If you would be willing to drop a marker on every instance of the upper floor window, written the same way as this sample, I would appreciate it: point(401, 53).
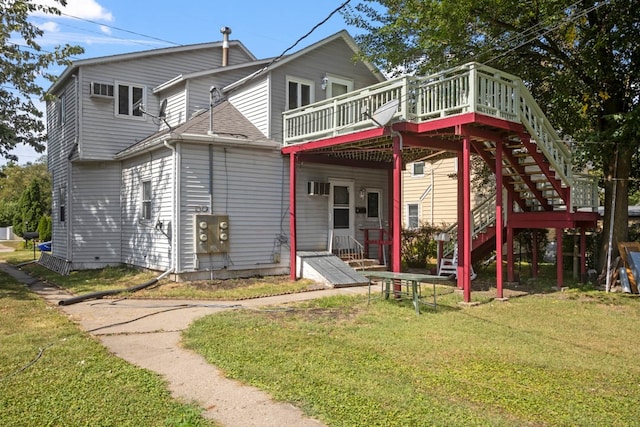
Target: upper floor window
point(299, 92)
point(60, 107)
point(130, 97)
point(417, 169)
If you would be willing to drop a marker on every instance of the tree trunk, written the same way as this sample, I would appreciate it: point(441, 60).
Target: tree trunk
point(618, 169)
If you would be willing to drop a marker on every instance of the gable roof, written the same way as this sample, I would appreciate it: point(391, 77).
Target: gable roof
point(138, 55)
point(278, 62)
point(229, 126)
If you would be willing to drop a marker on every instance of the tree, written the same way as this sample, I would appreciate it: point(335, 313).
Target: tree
point(22, 61)
point(14, 180)
point(579, 59)
point(44, 228)
point(31, 208)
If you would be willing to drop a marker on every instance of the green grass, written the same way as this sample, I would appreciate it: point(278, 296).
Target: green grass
point(553, 358)
point(52, 374)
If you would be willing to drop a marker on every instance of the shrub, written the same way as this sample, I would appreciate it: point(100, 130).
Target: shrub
point(418, 246)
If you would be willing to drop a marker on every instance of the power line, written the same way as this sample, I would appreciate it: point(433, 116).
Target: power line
point(121, 29)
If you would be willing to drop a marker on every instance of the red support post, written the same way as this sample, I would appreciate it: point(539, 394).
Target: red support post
point(583, 255)
point(466, 229)
point(499, 222)
point(510, 236)
point(460, 237)
point(292, 217)
point(534, 255)
point(397, 203)
point(559, 260)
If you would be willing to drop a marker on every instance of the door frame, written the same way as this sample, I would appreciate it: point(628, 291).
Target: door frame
point(351, 231)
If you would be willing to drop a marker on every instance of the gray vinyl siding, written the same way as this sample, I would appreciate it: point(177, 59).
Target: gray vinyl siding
point(176, 112)
point(102, 130)
point(61, 139)
point(147, 243)
point(95, 212)
point(250, 185)
point(335, 58)
point(312, 212)
point(253, 103)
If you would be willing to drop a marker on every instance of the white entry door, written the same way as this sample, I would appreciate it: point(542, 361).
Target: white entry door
point(341, 213)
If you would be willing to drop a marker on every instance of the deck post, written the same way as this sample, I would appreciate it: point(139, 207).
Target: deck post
point(559, 266)
point(499, 223)
point(583, 255)
point(292, 217)
point(534, 254)
point(460, 216)
point(510, 235)
point(466, 229)
point(397, 204)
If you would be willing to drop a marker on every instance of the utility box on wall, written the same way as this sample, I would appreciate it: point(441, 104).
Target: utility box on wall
point(211, 234)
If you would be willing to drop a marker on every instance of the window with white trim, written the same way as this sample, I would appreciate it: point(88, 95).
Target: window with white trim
point(299, 92)
point(373, 204)
point(417, 169)
point(145, 202)
point(62, 204)
point(60, 107)
point(413, 215)
point(129, 99)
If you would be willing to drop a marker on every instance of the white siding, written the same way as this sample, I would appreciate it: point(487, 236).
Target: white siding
point(103, 133)
point(334, 58)
point(253, 103)
point(61, 140)
point(176, 112)
point(312, 214)
point(250, 186)
point(95, 213)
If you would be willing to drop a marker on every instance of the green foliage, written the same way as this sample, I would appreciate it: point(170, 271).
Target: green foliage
point(31, 208)
point(44, 228)
point(578, 59)
point(22, 61)
point(417, 246)
point(14, 180)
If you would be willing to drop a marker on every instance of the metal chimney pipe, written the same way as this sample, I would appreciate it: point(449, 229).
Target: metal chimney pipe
point(225, 45)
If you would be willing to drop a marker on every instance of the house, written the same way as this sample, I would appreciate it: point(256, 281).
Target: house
point(170, 159)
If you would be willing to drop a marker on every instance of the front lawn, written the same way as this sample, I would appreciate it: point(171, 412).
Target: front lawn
point(555, 358)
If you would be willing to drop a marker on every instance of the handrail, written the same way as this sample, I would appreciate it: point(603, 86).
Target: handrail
point(482, 217)
point(346, 247)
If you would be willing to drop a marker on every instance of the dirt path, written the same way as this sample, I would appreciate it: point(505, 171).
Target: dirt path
point(147, 333)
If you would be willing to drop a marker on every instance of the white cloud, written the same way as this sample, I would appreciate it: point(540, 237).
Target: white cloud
point(105, 29)
point(50, 27)
point(83, 9)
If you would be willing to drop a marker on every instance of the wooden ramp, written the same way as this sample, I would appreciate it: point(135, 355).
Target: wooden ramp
point(327, 268)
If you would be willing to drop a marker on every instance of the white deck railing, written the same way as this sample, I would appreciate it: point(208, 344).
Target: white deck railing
point(469, 88)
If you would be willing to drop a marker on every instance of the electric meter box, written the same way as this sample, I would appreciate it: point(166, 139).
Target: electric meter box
point(211, 234)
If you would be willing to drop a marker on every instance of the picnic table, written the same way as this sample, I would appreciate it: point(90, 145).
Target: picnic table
point(410, 281)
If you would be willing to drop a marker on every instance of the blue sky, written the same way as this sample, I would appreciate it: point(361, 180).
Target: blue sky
point(266, 28)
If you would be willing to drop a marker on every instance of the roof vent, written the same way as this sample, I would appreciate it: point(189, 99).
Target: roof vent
point(225, 45)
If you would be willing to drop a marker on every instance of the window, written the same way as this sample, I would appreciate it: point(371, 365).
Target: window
point(60, 107)
point(373, 204)
point(145, 211)
point(413, 215)
point(299, 92)
point(337, 86)
point(417, 169)
point(62, 204)
point(101, 90)
point(130, 97)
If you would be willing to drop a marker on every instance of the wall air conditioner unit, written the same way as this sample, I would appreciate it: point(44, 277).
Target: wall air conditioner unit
point(100, 90)
point(315, 188)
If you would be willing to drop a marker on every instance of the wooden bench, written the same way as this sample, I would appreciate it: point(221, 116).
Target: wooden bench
point(411, 282)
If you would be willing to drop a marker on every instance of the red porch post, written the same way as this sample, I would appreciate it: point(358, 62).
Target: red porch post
point(510, 235)
point(460, 216)
point(583, 255)
point(534, 255)
point(499, 224)
point(559, 266)
point(466, 229)
point(396, 263)
point(292, 217)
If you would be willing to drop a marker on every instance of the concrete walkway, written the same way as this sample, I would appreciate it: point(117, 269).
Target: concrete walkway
point(147, 333)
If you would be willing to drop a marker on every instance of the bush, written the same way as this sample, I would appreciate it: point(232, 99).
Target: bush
point(418, 246)
point(44, 228)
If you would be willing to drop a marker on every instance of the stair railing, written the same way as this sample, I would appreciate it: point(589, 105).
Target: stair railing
point(349, 249)
point(482, 217)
